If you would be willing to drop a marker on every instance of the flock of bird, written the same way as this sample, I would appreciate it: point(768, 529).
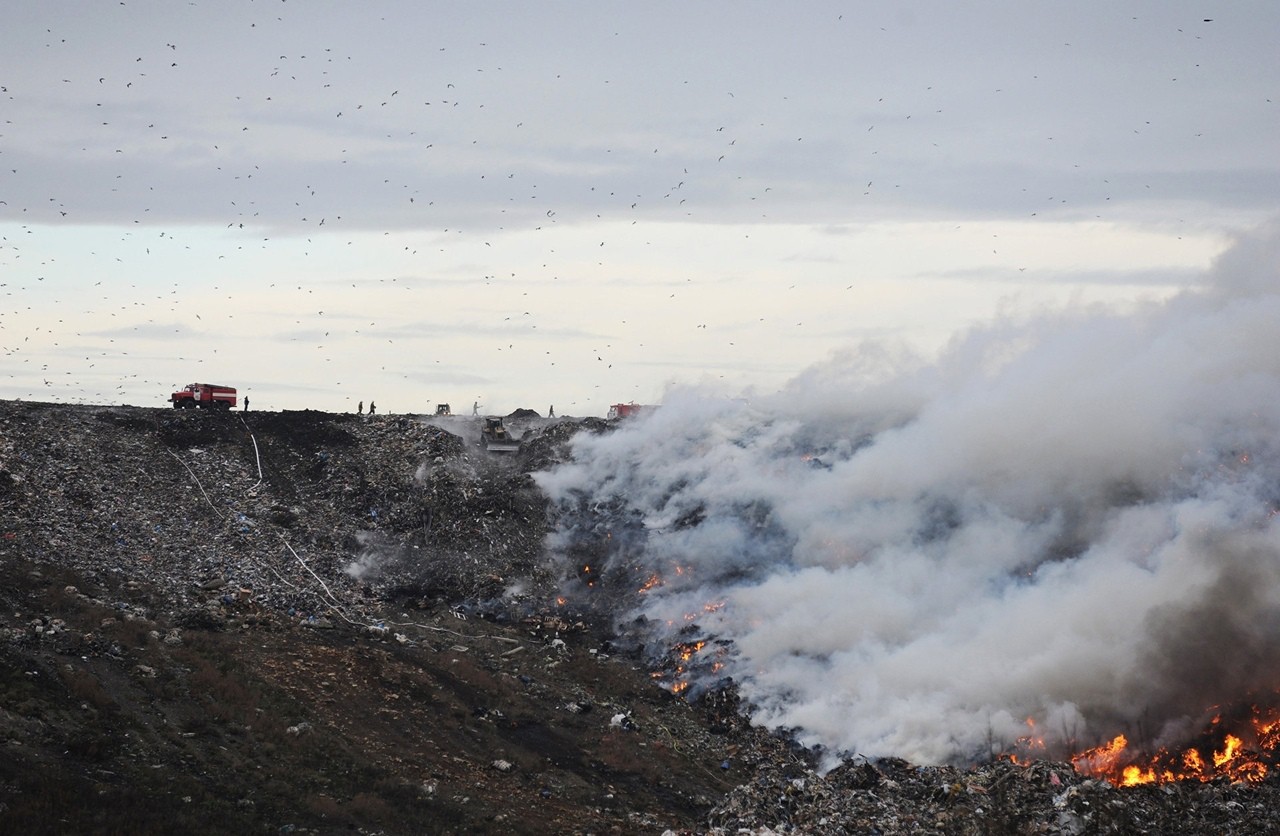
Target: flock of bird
point(297, 156)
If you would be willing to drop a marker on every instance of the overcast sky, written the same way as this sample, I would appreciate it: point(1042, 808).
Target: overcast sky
point(527, 204)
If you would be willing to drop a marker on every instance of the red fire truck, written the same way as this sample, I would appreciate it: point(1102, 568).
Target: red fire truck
point(204, 396)
point(626, 410)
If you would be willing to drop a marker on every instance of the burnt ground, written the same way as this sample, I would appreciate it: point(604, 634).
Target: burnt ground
point(305, 622)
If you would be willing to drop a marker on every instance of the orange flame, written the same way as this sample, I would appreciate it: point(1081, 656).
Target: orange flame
point(686, 650)
point(682, 666)
point(1244, 757)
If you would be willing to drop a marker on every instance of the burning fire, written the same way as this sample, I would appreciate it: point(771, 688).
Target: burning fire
point(691, 617)
point(1245, 756)
point(683, 662)
point(685, 650)
point(682, 653)
point(653, 580)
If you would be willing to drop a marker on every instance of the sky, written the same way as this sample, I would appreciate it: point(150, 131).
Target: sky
point(516, 205)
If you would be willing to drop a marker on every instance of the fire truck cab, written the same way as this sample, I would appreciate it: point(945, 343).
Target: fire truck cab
point(204, 396)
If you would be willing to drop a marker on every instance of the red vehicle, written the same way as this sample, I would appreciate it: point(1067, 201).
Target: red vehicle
point(626, 410)
point(204, 396)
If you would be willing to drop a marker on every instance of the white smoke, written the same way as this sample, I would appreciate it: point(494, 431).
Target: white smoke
point(1071, 519)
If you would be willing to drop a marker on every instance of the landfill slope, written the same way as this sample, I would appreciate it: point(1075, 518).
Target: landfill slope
point(186, 647)
point(306, 622)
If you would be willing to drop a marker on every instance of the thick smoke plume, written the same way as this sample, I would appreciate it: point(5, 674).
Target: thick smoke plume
point(1070, 520)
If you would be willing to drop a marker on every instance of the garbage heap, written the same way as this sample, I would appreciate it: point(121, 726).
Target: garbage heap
point(303, 622)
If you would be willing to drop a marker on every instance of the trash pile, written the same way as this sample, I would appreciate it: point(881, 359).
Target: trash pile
point(890, 797)
point(342, 623)
point(305, 513)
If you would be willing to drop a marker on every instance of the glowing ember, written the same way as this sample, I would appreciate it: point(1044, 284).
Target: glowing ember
point(685, 650)
point(686, 662)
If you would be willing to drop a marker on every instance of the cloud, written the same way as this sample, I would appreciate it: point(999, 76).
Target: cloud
point(1156, 277)
point(233, 155)
point(149, 331)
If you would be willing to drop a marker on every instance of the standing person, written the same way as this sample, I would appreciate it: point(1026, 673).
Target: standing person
point(551, 413)
point(246, 403)
point(372, 407)
point(360, 408)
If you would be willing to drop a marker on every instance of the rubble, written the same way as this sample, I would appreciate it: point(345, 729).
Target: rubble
point(315, 623)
